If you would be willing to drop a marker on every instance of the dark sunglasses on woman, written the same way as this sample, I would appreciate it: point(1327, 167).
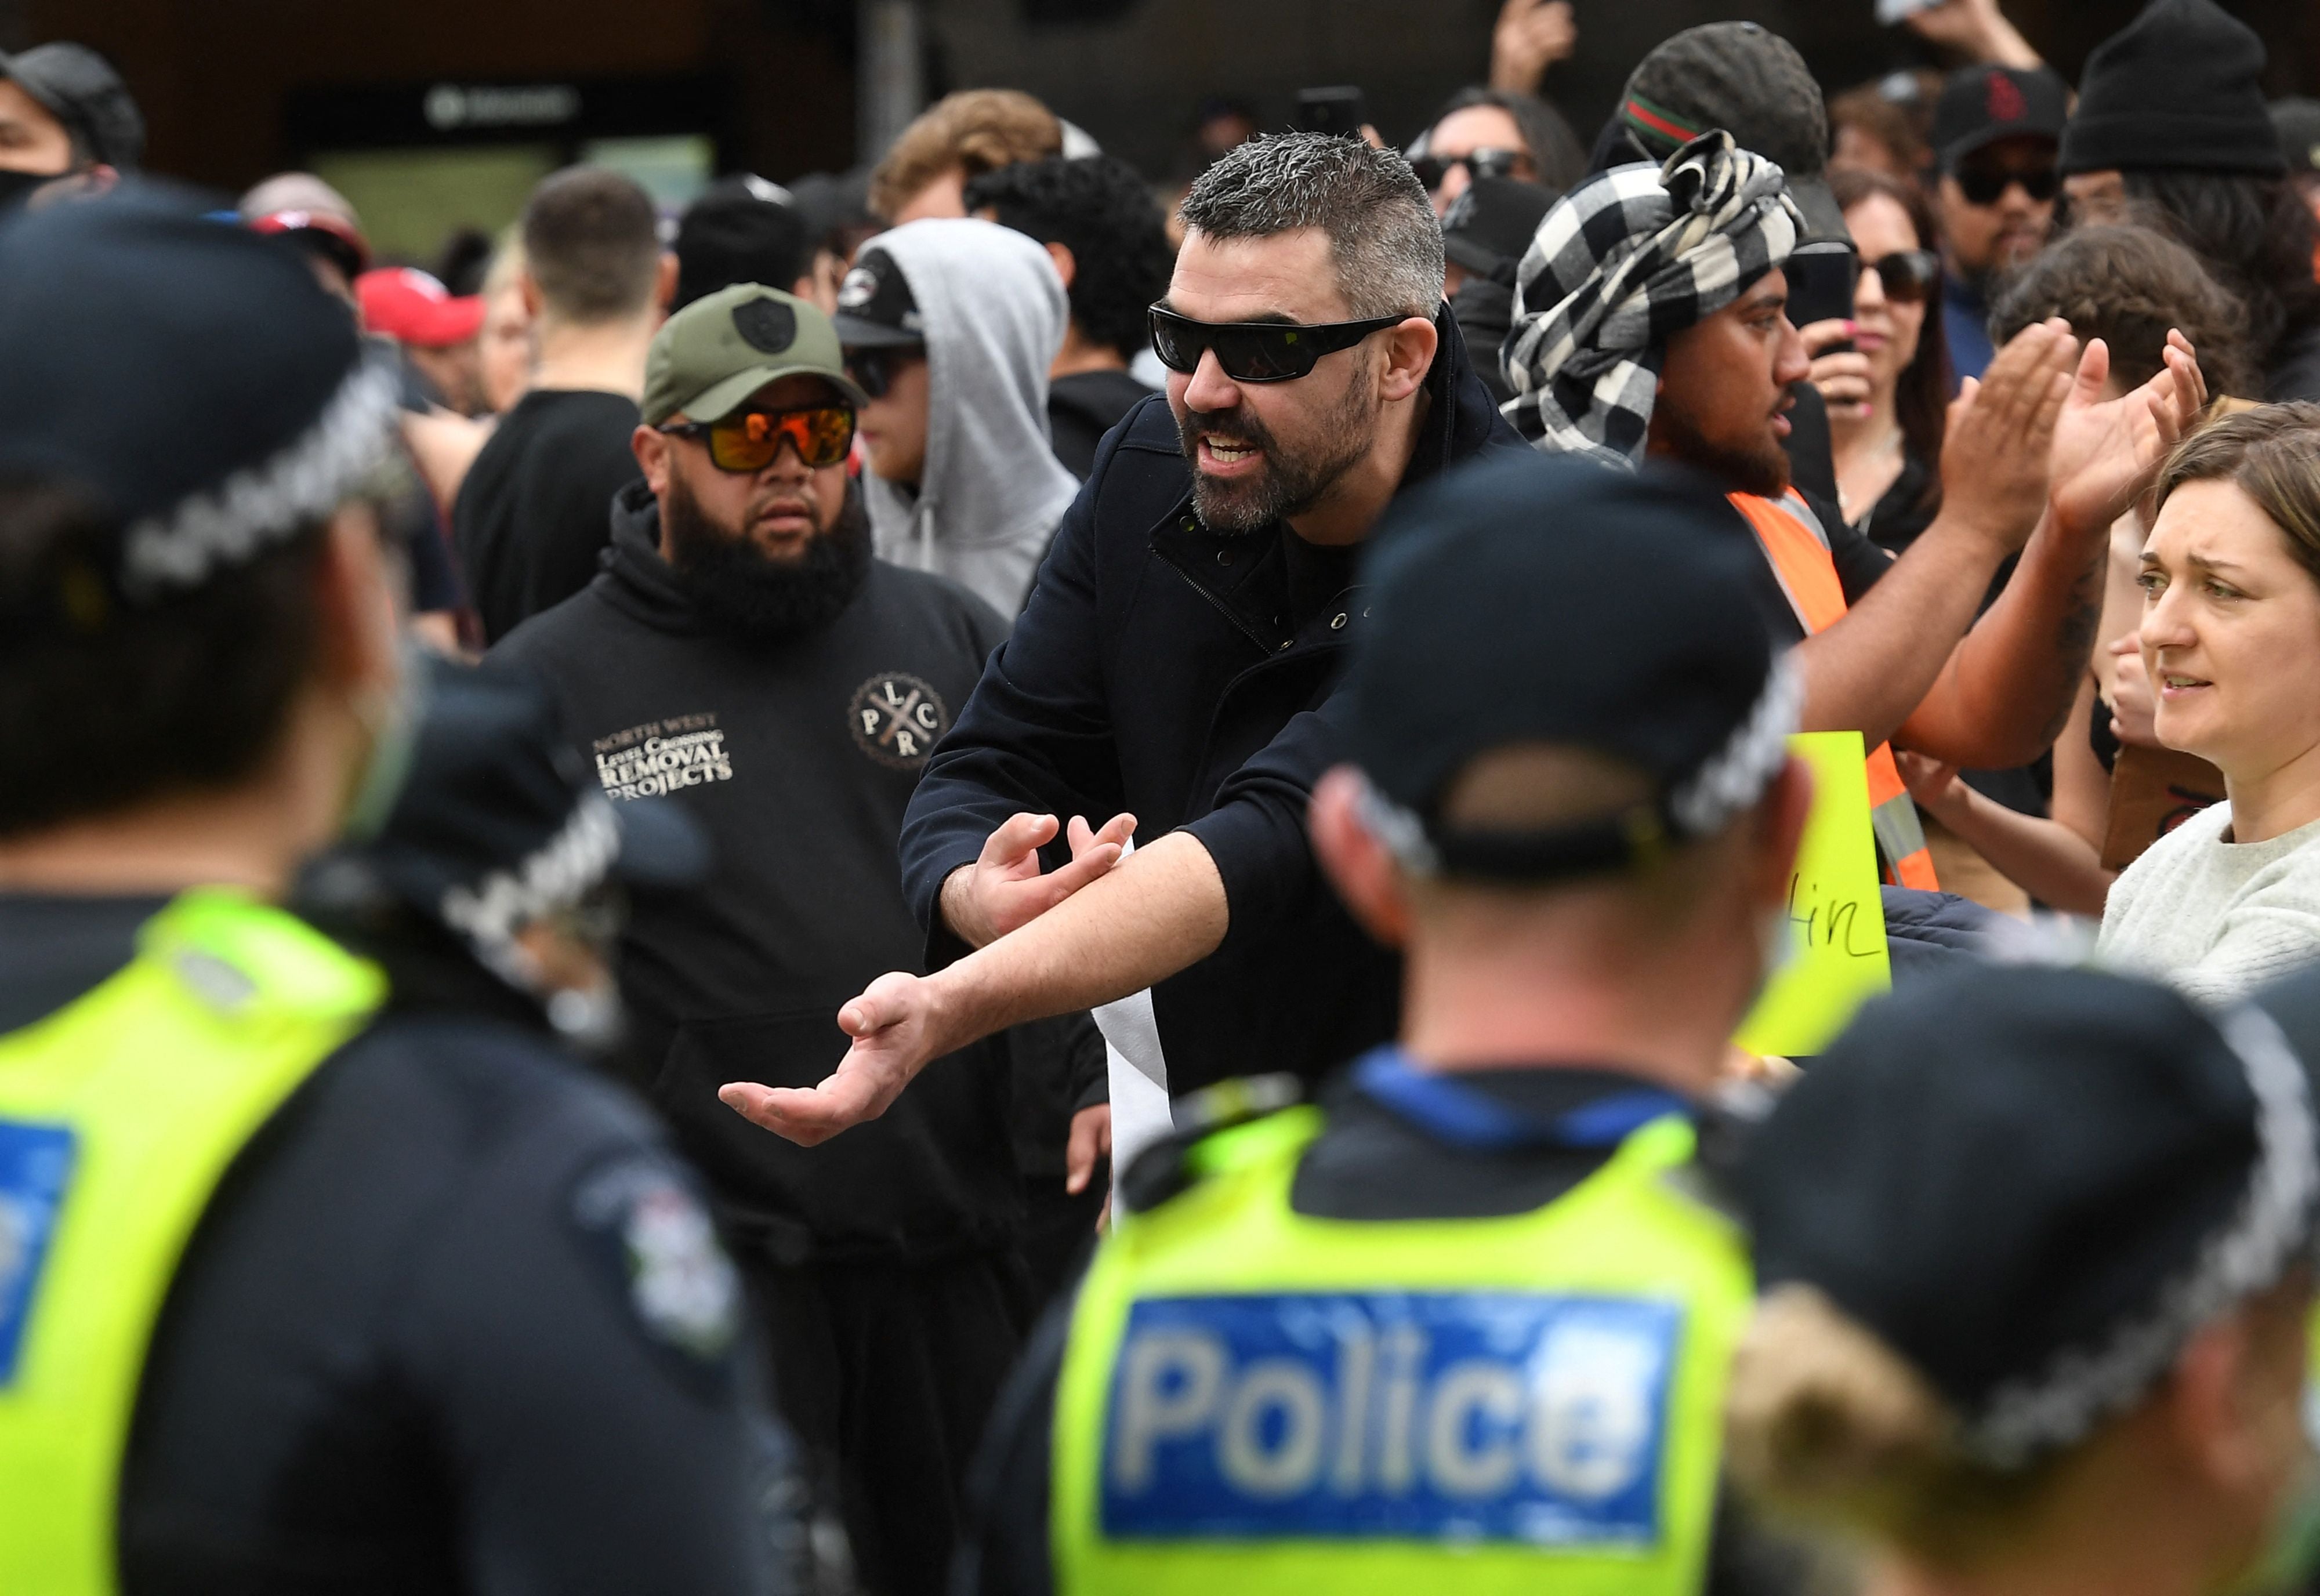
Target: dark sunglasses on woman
point(748, 440)
point(1256, 352)
point(1986, 185)
point(1479, 163)
point(1906, 275)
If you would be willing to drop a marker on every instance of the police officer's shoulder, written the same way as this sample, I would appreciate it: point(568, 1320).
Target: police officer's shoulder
point(1725, 1123)
point(1218, 1129)
point(534, 1127)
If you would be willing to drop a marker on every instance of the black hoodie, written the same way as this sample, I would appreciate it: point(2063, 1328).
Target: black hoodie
point(797, 756)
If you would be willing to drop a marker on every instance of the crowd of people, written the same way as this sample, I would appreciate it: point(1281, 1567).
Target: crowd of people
point(978, 877)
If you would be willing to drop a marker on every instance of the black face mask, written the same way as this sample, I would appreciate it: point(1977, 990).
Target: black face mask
point(16, 187)
point(743, 592)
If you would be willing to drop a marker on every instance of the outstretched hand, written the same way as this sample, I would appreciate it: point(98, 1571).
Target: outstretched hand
point(2001, 434)
point(1005, 887)
point(2105, 450)
point(897, 1026)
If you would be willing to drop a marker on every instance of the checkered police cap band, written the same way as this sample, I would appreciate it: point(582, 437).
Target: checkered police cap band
point(269, 502)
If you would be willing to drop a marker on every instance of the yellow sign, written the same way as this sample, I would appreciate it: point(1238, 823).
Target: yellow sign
point(1837, 958)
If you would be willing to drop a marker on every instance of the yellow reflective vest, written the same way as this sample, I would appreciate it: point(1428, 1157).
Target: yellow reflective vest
point(119, 1114)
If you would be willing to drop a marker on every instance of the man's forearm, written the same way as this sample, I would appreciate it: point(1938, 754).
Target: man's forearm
point(1160, 909)
point(1869, 671)
point(2009, 685)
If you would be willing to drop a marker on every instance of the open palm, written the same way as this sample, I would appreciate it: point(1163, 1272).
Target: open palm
point(2106, 450)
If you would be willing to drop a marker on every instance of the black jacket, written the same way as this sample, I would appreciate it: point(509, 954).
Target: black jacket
point(1163, 669)
point(797, 756)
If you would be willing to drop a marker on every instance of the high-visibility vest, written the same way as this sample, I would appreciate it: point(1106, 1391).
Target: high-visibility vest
point(1797, 545)
point(119, 1115)
point(1258, 1402)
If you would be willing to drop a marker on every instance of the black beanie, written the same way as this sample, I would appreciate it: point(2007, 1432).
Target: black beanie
point(2179, 87)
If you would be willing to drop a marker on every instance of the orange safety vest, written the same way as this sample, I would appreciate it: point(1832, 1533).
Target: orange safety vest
point(1794, 541)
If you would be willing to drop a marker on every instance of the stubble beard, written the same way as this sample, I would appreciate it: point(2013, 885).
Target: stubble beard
point(744, 591)
point(1763, 471)
point(1289, 486)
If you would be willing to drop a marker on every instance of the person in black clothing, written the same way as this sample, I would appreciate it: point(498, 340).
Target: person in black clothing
point(1109, 242)
point(742, 655)
point(1484, 233)
point(529, 523)
point(2171, 129)
point(452, 1317)
point(1558, 970)
point(1175, 668)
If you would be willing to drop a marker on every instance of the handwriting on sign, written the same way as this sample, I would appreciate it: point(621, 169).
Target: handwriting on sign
point(1827, 919)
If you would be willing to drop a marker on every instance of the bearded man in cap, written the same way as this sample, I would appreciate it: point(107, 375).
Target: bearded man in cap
point(1651, 321)
point(1462, 1324)
point(301, 1288)
point(743, 655)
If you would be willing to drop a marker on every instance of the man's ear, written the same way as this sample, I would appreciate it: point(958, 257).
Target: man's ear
point(529, 286)
point(1067, 266)
point(650, 446)
point(357, 605)
point(1410, 356)
point(664, 282)
point(1363, 871)
point(1780, 818)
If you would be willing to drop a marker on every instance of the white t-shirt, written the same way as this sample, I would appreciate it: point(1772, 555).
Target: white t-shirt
point(2216, 919)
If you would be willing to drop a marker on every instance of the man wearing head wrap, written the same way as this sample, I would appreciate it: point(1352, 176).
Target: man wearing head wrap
point(1650, 320)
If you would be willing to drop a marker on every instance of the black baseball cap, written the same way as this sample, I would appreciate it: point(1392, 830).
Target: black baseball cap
point(1980, 105)
point(498, 823)
point(80, 89)
point(741, 230)
point(2035, 1183)
point(188, 375)
point(1556, 600)
point(1490, 224)
point(875, 309)
point(1752, 82)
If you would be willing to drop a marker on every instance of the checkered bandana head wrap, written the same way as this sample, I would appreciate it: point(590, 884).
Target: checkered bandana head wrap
point(1624, 260)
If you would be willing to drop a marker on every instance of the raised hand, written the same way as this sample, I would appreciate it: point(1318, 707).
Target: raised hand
point(1843, 376)
point(1005, 887)
point(897, 1025)
point(1995, 458)
point(1530, 36)
point(2106, 452)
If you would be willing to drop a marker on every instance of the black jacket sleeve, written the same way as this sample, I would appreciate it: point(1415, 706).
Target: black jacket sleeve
point(1256, 832)
point(1036, 734)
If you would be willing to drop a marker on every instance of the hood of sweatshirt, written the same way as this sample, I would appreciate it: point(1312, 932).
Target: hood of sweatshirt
point(992, 489)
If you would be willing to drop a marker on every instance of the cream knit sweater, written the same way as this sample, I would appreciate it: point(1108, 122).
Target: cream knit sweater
point(2216, 919)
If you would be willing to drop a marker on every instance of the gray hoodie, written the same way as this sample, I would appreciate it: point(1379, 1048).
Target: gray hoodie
point(991, 492)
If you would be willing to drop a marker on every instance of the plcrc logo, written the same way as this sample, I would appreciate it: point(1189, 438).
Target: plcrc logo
point(896, 719)
point(1476, 1415)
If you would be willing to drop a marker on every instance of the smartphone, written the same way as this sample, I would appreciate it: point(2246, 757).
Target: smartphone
point(1344, 110)
point(1821, 277)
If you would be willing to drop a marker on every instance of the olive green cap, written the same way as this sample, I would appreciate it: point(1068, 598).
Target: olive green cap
point(708, 357)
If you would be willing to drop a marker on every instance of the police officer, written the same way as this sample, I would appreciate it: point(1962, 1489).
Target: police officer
point(299, 1289)
point(2036, 1254)
point(1463, 1324)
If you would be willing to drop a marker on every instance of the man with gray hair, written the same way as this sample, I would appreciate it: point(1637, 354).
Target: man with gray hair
point(1176, 670)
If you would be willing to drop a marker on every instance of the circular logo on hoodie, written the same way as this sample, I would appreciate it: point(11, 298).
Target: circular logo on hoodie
point(896, 719)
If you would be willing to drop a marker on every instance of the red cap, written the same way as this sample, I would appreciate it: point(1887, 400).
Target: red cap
point(339, 238)
point(411, 307)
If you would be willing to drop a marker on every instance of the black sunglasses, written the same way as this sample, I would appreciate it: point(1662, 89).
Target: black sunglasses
point(1986, 185)
point(1907, 275)
point(874, 369)
point(1479, 163)
point(1256, 352)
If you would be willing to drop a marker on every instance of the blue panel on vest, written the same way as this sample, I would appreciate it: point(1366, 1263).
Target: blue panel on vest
point(34, 1162)
point(1474, 1416)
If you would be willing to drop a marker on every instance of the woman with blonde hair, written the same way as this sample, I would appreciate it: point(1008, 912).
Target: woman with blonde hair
point(2034, 1250)
point(2230, 642)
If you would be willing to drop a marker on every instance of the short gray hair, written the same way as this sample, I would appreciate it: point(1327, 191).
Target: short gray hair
point(1382, 233)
